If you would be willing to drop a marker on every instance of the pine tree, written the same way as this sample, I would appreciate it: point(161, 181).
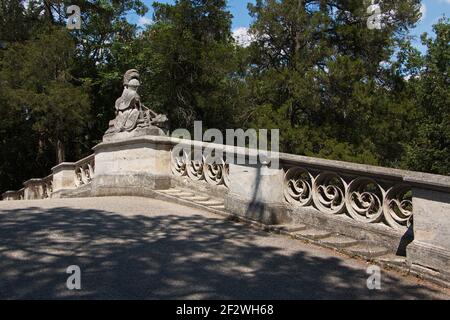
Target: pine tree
point(36, 78)
point(189, 63)
point(322, 76)
point(429, 145)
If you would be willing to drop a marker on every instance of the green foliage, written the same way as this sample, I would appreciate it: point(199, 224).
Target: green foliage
point(36, 78)
point(189, 61)
point(334, 88)
point(428, 148)
point(58, 88)
point(321, 75)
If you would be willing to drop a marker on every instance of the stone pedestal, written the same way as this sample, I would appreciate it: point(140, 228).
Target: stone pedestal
point(431, 246)
point(256, 192)
point(63, 178)
point(12, 195)
point(33, 189)
point(131, 163)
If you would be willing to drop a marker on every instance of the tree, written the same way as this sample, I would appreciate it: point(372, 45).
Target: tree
point(189, 63)
point(322, 77)
point(47, 102)
point(18, 141)
point(429, 145)
point(36, 78)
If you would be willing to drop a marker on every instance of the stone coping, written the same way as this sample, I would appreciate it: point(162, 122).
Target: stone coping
point(133, 141)
point(64, 166)
point(6, 193)
point(85, 159)
point(427, 180)
point(72, 165)
point(38, 180)
point(419, 179)
point(33, 181)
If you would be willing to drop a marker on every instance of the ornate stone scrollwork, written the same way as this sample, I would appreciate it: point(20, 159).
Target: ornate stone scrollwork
point(91, 169)
point(364, 199)
point(217, 172)
point(200, 170)
point(47, 189)
point(78, 177)
point(397, 206)
point(195, 169)
point(179, 164)
point(329, 193)
point(298, 186)
point(84, 172)
point(226, 174)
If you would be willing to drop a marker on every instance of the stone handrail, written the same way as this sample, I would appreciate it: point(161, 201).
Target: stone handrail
point(364, 197)
point(41, 188)
point(65, 176)
point(14, 195)
point(84, 170)
point(405, 211)
point(201, 170)
point(365, 193)
point(47, 186)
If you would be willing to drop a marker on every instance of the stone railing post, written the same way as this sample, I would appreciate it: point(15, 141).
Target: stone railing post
point(63, 178)
point(256, 192)
point(13, 195)
point(33, 189)
point(133, 166)
point(431, 206)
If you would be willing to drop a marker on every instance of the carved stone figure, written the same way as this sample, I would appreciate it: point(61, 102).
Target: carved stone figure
point(130, 112)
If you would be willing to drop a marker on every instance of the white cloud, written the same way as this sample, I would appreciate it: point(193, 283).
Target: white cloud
point(143, 21)
point(423, 10)
point(242, 36)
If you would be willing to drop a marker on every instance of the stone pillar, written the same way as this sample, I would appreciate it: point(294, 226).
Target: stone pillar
point(132, 166)
point(430, 250)
point(33, 189)
point(11, 195)
point(63, 178)
point(256, 192)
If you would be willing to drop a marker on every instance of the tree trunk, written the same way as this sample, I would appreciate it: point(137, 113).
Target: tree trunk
point(300, 12)
point(48, 10)
point(60, 154)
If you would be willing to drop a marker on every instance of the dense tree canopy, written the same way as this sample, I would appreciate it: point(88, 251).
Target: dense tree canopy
point(428, 148)
point(321, 75)
point(335, 88)
point(191, 61)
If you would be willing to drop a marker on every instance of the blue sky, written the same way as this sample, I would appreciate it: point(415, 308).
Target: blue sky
point(432, 11)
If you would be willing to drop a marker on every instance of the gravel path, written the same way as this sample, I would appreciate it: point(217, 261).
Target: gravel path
point(140, 248)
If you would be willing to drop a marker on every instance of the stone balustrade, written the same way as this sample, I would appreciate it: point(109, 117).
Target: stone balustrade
point(65, 177)
point(84, 171)
point(47, 187)
point(407, 212)
point(14, 195)
point(70, 176)
point(404, 211)
point(41, 188)
point(362, 196)
point(215, 174)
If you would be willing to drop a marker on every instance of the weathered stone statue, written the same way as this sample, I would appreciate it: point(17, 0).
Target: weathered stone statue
point(131, 114)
